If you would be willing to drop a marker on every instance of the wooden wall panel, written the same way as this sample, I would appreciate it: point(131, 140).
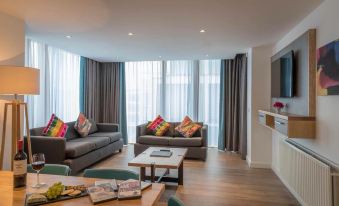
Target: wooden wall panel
point(304, 47)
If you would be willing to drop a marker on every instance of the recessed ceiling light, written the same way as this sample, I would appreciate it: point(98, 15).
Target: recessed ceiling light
point(202, 31)
point(206, 55)
point(68, 36)
point(159, 56)
point(130, 34)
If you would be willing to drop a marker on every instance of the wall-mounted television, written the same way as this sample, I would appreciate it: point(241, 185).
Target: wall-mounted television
point(283, 76)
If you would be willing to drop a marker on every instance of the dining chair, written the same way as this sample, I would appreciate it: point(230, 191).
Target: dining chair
point(118, 174)
point(174, 201)
point(52, 169)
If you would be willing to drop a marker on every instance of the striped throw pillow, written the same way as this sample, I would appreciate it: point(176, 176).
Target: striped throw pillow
point(158, 126)
point(187, 127)
point(55, 127)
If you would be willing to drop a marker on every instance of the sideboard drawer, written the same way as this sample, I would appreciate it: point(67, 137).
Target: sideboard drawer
point(281, 125)
point(262, 118)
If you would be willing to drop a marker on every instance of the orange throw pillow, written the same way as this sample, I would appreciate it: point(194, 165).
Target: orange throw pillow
point(187, 127)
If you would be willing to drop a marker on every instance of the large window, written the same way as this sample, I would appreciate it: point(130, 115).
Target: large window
point(59, 83)
point(173, 89)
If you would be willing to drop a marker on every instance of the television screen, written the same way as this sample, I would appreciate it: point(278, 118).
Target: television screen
point(282, 76)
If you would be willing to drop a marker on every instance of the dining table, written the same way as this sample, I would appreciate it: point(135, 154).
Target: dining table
point(10, 196)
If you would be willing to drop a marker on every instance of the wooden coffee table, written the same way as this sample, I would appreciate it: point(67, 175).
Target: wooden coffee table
point(176, 161)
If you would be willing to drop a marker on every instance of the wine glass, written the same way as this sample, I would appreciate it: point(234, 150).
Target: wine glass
point(37, 165)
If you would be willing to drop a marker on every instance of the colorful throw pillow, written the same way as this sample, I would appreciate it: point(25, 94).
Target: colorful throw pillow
point(55, 127)
point(82, 125)
point(158, 126)
point(187, 127)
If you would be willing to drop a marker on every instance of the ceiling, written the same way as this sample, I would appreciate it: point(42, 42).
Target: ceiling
point(166, 28)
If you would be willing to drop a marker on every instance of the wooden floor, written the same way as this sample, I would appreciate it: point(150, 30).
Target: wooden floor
point(223, 179)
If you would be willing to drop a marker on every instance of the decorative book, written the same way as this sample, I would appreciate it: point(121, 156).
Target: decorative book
point(129, 189)
point(101, 192)
point(113, 183)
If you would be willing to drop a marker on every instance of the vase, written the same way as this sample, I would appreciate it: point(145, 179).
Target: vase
point(277, 110)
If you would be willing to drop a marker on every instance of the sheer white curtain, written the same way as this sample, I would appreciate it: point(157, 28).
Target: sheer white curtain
point(179, 90)
point(59, 83)
point(35, 56)
point(209, 97)
point(143, 96)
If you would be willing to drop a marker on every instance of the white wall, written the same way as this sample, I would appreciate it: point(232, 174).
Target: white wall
point(259, 139)
point(325, 20)
point(12, 40)
point(12, 52)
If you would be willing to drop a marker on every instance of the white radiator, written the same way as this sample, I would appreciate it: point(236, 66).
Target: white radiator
point(306, 177)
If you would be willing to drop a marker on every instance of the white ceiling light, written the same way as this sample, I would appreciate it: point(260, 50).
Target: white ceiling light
point(68, 36)
point(206, 55)
point(202, 31)
point(130, 34)
point(159, 56)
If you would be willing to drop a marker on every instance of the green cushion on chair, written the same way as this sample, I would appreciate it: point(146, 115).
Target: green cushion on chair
point(52, 169)
point(174, 201)
point(111, 174)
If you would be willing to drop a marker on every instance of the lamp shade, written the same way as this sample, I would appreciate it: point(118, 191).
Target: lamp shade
point(19, 80)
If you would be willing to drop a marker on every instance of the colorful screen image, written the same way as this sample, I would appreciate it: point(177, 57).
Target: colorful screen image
point(328, 69)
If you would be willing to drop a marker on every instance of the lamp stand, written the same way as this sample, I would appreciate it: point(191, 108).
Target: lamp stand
point(16, 130)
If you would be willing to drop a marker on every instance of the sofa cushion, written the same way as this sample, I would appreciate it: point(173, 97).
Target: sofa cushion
point(185, 142)
point(114, 136)
point(169, 133)
point(71, 132)
point(98, 141)
point(75, 149)
point(187, 127)
point(94, 127)
point(196, 134)
point(82, 125)
point(55, 127)
point(37, 131)
point(153, 140)
point(159, 126)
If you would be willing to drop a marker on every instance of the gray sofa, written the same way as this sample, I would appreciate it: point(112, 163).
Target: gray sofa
point(196, 145)
point(75, 151)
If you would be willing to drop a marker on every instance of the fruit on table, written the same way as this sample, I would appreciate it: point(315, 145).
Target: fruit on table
point(55, 190)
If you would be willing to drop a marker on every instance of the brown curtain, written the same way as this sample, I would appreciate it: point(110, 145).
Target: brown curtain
point(110, 92)
point(91, 97)
point(104, 98)
point(233, 105)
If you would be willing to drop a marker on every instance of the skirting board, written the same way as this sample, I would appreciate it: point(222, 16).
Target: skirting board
point(258, 165)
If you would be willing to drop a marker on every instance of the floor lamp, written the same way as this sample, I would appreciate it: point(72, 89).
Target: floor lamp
point(17, 81)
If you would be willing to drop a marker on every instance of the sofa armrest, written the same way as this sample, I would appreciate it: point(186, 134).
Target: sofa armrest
point(108, 127)
point(141, 130)
point(204, 135)
point(52, 147)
